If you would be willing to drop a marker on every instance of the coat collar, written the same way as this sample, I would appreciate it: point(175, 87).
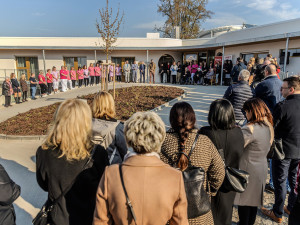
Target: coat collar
point(271, 77)
point(294, 96)
point(144, 161)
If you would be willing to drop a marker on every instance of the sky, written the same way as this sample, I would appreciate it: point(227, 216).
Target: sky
point(76, 18)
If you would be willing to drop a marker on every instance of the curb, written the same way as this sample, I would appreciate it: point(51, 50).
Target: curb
point(161, 107)
point(41, 137)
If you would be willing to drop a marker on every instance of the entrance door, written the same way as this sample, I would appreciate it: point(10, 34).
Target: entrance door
point(27, 65)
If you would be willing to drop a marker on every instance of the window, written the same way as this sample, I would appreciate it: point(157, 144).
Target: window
point(75, 62)
point(27, 65)
point(292, 52)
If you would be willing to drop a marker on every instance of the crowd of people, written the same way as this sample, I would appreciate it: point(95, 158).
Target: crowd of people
point(103, 171)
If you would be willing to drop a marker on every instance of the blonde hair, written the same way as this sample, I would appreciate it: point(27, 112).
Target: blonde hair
point(145, 132)
point(244, 75)
point(71, 131)
point(22, 77)
point(103, 106)
point(41, 72)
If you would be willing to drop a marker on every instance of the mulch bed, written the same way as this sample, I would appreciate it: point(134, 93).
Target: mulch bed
point(128, 101)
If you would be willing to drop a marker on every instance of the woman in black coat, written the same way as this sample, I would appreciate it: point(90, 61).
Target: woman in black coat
point(9, 192)
point(229, 141)
point(61, 163)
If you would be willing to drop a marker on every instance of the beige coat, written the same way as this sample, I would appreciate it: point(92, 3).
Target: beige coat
point(258, 139)
point(205, 155)
point(155, 189)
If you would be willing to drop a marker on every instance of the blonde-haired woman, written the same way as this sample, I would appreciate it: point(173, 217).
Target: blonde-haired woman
point(155, 190)
point(64, 165)
point(24, 87)
point(16, 87)
point(108, 131)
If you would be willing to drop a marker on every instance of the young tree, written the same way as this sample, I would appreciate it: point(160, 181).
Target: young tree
point(187, 14)
point(109, 27)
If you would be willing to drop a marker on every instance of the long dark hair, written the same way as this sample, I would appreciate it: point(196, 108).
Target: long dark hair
point(182, 120)
point(221, 115)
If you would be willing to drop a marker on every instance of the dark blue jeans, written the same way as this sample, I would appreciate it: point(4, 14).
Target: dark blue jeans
point(282, 170)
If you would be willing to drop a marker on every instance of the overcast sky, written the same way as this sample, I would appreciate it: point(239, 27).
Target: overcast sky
point(76, 18)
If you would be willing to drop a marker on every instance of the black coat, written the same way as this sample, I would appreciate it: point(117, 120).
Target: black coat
point(286, 118)
point(9, 192)
point(238, 94)
point(222, 203)
point(55, 174)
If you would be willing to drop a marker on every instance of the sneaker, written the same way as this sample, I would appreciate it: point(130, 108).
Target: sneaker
point(269, 188)
point(286, 210)
point(271, 215)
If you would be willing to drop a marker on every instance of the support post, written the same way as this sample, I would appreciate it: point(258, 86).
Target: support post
point(222, 67)
point(114, 86)
point(147, 64)
point(95, 57)
point(286, 55)
point(44, 59)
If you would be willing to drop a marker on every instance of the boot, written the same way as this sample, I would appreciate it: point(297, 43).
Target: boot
point(19, 100)
point(16, 100)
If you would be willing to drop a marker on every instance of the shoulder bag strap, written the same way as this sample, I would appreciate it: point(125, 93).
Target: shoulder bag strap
point(194, 145)
point(126, 195)
point(71, 184)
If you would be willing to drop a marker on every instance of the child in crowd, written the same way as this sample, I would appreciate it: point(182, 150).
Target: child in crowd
point(73, 77)
point(49, 81)
point(80, 76)
point(55, 79)
point(92, 73)
point(86, 76)
point(24, 87)
point(42, 83)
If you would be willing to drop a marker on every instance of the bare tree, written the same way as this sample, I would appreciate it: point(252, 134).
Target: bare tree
point(187, 14)
point(109, 27)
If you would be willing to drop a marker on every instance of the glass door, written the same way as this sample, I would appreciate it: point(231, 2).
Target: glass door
point(27, 65)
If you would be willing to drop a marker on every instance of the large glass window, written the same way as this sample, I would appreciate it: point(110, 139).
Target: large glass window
point(27, 65)
point(75, 62)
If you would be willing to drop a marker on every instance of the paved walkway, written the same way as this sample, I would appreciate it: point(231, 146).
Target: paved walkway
point(18, 156)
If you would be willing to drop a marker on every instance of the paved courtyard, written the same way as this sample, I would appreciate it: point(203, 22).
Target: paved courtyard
point(18, 156)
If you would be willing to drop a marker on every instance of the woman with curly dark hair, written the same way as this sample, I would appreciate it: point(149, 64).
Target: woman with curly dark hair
point(177, 145)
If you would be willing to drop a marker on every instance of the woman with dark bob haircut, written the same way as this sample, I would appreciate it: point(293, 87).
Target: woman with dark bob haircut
point(258, 134)
point(178, 142)
point(229, 140)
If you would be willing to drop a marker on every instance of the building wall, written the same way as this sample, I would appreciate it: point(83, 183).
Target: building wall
point(272, 48)
point(55, 57)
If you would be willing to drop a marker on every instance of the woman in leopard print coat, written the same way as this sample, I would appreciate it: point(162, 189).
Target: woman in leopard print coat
point(180, 138)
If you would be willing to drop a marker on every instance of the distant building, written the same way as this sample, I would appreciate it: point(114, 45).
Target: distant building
point(30, 54)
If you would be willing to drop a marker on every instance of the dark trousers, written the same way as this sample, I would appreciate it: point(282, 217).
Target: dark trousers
point(97, 79)
point(7, 100)
point(73, 83)
point(24, 95)
point(168, 77)
point(247, 215)
point(80, 82)
point(294, 218)
point(49, 88)
point(86, 81)
point(92, 80)
point(43, 88)
point(118, 78)
point(173, 79)
point(142, 74)
point(282, 170)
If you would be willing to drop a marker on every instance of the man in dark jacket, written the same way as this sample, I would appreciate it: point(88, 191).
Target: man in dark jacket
point(269, 89)
point(237, 69)
point(286, 119)
point(9, 192)
point(238, 93)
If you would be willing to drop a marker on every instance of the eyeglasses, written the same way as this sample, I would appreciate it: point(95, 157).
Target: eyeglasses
point(284, 88)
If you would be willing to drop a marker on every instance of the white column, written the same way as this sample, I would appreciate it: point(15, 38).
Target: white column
point(223, 56)
point(286, 54)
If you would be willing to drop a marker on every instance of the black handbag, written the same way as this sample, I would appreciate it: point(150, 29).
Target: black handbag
point(276, 150)
point(44, 215)
point(194, 177)
point(235, 179)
